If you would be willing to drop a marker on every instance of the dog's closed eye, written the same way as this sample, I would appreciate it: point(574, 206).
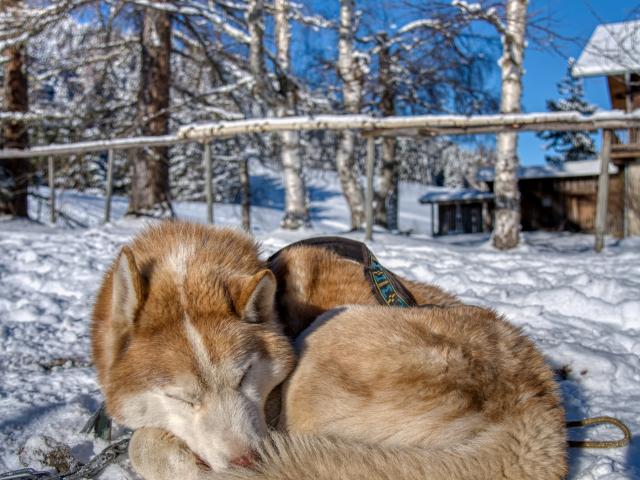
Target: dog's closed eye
point(186, 401)
point(244, 376)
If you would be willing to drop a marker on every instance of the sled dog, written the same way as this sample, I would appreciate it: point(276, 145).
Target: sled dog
point(188, 347)
point(185, 339)
point(385, 393)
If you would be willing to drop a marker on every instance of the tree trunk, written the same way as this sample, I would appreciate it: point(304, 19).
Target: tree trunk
point(149, 191)
point(507, 195)
point(246, 194)
point(14, 176)
point(386, 208)
point(296, 213)
point(255, 21)
point(352, 75)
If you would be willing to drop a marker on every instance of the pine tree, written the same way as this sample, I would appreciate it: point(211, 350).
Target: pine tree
point(570, 146)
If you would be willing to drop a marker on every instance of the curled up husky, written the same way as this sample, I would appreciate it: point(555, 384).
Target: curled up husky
point(188, 349)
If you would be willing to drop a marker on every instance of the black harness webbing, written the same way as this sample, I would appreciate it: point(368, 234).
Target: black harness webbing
point(386, 287)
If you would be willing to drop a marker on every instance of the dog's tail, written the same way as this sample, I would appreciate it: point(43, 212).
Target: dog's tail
point(517, 453)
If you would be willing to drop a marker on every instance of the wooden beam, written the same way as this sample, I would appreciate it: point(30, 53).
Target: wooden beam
point(52, 189)
point(603, 190)
point(371, 159)
point(376, 126)
point(245, 187)
point(625, 150)
point(418, 124)
point(432, 221)
point(625, 208)
point(208, 176)
point(107, 203)
point(63, 149)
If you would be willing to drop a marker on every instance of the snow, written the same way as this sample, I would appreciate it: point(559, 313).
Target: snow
point(611, 50)
point(422, 23)
point(581, 308)
point(440, 195)
point(579, 168)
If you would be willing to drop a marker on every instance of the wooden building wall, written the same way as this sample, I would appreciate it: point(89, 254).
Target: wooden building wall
point(633, 197)
point(570, 204)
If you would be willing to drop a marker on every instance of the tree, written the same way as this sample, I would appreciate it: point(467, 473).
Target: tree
point(296, 213)
point(352, 71)
point(149, 190)
point(431, 64)
point(506, 230)
point(512, 28)
point(570, 146)
point(386, 208)
point(283, 100)
point(15, 172)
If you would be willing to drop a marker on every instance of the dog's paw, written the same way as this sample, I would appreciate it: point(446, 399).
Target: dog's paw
point(158, 455)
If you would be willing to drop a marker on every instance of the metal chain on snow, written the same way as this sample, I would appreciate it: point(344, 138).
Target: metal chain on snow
point(89, 470)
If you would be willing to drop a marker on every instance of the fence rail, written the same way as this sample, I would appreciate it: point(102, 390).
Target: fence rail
point(370, 127)
point(430, 125)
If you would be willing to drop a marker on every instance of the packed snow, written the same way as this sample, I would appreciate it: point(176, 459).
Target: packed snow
point(581, 308)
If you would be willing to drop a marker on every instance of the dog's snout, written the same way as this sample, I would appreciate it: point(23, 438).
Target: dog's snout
point(244, 461)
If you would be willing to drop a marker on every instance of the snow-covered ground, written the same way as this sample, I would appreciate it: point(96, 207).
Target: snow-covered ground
point(582, 309)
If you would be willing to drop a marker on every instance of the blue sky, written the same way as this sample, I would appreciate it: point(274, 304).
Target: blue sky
point(573, 18)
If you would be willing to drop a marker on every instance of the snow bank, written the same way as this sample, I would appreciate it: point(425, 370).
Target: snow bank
point(582, 309)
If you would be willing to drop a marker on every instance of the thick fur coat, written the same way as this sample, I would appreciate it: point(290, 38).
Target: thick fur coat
point(312, 280)
point(189, 348)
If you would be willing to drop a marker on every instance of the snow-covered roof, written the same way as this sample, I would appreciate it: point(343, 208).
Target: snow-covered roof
point(583, 168)
point(613, 49)
point(454, 195)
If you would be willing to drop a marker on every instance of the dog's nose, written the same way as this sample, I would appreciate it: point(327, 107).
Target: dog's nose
point(244, 461)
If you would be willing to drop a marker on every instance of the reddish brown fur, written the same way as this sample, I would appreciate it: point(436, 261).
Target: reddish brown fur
point(223, 268)
point(457, 392)
point(379, 393)
point(312, 280)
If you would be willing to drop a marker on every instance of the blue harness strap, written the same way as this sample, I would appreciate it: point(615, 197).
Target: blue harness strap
point(386, 285)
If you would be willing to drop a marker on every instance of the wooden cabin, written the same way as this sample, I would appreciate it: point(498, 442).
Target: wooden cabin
point(613, 51)
point(563, 197)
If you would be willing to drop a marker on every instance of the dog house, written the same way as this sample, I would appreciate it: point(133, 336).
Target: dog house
point(459, 211)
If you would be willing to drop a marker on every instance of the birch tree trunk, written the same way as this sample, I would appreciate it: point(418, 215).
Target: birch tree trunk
point(296, 213)
point(386, 208)
point(507, 195)
point(255, 23)
point(352, 75)
point(149, 191)
point(13, 195)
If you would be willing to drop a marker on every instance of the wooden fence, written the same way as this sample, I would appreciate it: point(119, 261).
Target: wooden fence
point(371, 128)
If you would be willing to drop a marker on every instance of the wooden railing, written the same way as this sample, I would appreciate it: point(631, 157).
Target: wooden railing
point(370, 127)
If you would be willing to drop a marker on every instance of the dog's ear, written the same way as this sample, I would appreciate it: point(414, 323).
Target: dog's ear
point(128, 289)
point(255, 296)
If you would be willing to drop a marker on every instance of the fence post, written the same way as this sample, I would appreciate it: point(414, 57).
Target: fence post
point(52, 189)
point(603, 190)
point(107, 204)
point(433, 221)
point(208, 188)
point(246, 194)
point(371, 156)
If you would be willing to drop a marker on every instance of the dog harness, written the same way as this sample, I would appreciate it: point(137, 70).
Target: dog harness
point(386, 287)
